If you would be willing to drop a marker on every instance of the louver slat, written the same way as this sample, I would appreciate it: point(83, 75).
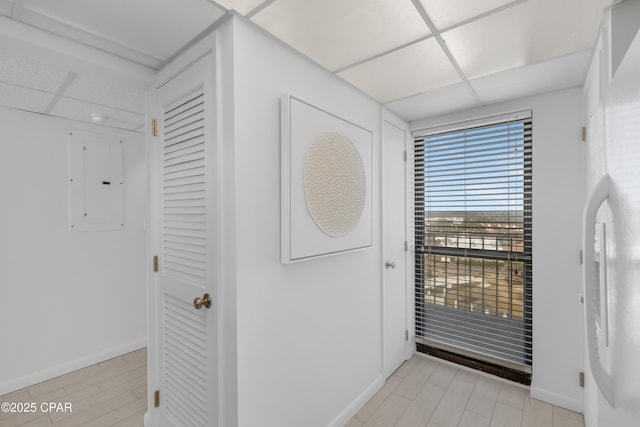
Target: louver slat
point(185, 361)
point(184, 195)
point(184, 247)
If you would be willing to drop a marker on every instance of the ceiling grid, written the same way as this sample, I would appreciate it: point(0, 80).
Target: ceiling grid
point(17, 9)
point(418, 57)
point(445, 49)
point(71, 76)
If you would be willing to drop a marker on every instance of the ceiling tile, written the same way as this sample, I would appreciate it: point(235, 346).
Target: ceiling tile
point(79, 110)
point(23, 98)
point(117, 93)
point(28, 71)
point(559, 73)
point(241, 6)
point(27, 65)
point(414, 69)
point(434, 103)
point(338, 33)
point(445, 13)
point(530, 32)
point(156, 28)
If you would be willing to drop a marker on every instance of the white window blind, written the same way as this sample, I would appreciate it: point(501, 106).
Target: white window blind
point(473, 241)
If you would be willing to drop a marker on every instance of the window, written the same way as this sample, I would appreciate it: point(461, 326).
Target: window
point(473, 240)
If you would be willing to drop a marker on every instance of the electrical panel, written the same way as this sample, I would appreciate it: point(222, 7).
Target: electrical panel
point(96, 181)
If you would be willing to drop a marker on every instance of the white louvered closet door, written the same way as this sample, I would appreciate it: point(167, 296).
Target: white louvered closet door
point(188, 267)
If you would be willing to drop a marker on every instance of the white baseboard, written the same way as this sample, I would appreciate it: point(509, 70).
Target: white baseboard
point(14, 384)
point(556, 399)
point(348, 413)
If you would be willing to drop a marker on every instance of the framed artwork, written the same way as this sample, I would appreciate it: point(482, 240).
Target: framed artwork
point(326, 183)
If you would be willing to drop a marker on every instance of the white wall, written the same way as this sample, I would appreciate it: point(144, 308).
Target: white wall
point(310, 333)
point(67, 300)
point(558, 196)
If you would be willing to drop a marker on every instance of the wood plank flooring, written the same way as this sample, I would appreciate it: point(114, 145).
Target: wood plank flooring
point(424, 392)
point(110, 393)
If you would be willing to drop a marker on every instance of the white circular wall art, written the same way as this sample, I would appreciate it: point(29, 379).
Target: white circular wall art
point(334, 184)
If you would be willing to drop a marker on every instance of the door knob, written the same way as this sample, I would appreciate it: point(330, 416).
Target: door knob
point(389, 264)
point(205, 302)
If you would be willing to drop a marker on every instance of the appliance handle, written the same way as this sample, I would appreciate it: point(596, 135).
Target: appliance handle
point(599, 194)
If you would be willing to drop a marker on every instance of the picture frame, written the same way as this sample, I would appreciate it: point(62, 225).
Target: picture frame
point(326, 183)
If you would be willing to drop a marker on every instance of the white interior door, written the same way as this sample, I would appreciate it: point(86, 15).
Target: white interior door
point(185, 227)
point(394, 253)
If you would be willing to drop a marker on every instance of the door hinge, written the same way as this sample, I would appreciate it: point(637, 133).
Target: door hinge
point(584, 133)
point(406, 246)
point(581, 256)
point(156, 398)
point(582, 379)
point(155, 263)
point(405, 155)
point(406, 335)
point(154, 127)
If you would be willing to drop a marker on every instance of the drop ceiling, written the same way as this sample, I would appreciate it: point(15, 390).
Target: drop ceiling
point(70, 58)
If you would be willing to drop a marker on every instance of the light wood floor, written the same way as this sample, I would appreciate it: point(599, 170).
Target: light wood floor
point(422, 392)
point(111, 393)
point(426, 392)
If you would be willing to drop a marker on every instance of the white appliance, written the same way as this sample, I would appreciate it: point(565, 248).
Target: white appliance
point(612, 224)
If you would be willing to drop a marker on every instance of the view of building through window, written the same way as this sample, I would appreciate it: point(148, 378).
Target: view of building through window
point(489, 286)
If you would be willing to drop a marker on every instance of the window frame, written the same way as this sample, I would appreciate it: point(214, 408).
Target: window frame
point(525, 257)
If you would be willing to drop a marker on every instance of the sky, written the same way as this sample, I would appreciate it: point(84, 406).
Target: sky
point(476, 170)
